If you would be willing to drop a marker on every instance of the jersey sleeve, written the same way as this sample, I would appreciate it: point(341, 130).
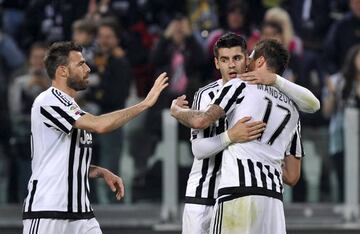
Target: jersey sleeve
point(61, 117)
point(229, 95)
point(295, 146)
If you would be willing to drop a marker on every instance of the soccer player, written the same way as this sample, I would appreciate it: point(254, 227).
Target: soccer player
point(58, 197)
point(227, 60)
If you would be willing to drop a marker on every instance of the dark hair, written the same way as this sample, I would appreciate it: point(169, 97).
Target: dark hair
point(349, 71)
point(274, 25)
point(276, 56)
point(85, 25)
point(229, 40)
point(111, 23)
point(58, 55)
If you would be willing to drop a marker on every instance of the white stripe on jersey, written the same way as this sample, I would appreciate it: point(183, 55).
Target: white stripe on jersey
point(203, 178)
point(254, 168)
point(58, 187)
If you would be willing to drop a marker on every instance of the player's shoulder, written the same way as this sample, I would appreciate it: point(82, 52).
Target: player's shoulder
point(53, 97)
point(210, 87)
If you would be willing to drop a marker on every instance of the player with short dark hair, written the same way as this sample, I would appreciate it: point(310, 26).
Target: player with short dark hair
point(58, 197)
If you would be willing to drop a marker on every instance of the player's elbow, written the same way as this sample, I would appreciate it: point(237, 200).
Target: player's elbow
point(313, 106)
point(291, 179)
point(197, 153)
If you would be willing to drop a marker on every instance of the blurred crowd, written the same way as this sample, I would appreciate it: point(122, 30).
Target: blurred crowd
point(127, 43)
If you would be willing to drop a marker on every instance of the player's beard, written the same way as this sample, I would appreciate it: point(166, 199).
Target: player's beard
point(76, 83)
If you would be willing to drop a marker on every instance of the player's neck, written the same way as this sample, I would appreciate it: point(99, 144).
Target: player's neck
point(64, 88)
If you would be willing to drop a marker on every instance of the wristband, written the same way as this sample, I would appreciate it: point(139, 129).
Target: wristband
point(224, 137)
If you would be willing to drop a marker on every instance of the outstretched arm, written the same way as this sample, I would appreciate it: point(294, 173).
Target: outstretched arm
point(111, 121)
point(113, 181)
point(304, 98)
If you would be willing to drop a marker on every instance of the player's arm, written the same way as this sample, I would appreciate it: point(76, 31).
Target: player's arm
point(223, 103)
point(113, 181)
point(195, 118)
point(291, 170)
point(111, 121)
point(304, 98)
point(242, 131)
point(293, 155)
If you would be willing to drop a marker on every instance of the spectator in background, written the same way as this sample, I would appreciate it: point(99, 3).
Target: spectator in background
point(341, 37)
point(181, 56)
point(84, 34)
point(115, 77)
point(22, 92)
point(51, 21)
point(236, 22)
point(11, 61)
point(342, 90)
point(292, 42)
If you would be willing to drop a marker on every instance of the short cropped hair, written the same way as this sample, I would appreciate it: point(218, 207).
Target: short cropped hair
point(229, 40)
point(276, 56)
point(58, 55)
point(85, 25)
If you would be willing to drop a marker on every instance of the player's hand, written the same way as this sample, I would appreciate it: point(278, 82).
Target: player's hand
point(259, 77)
point(159, 85)
point(244, 130)
point(182, 102)
point(115, 183)
point(177, 105)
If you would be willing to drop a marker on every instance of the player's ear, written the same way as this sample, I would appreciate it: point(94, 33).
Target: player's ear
point(216, 61)
point(260, 61)
point(62, 71)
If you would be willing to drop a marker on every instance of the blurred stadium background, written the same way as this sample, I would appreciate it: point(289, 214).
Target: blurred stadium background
point(135, 40)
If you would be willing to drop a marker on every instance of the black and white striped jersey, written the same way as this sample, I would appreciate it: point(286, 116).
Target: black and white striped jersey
point(61, 155)
point(204, 176)
point(254, 168)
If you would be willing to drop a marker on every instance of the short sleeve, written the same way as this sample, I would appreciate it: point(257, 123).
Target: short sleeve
point(229, 95)
point(296, 147)
point(61, 117)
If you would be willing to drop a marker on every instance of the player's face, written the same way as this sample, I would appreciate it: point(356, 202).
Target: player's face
point(231, 62)
point(78, 71)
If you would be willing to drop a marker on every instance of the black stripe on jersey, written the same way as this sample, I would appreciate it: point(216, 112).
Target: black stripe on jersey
point(241, 173)
point(271, 176)
point(32, 194)
point(87, 157)
point(221, 216)
point(61, 97)
point(57, 215)
point(204, 169)
point(234, 97)
point(278, 177)
point(212, 180)
point(236, 192)
point(63, 114)
point(79, 178)
point(71, 168)
point(262, 174)
point(221, 127)
point(37, 226)
point(202, 90)
point(54, 120)
point(211, 95)
point(224, 91)
point(31, 226)
point(239, 100)
point(293, 145)
point(200, 201)
point(252, 173)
